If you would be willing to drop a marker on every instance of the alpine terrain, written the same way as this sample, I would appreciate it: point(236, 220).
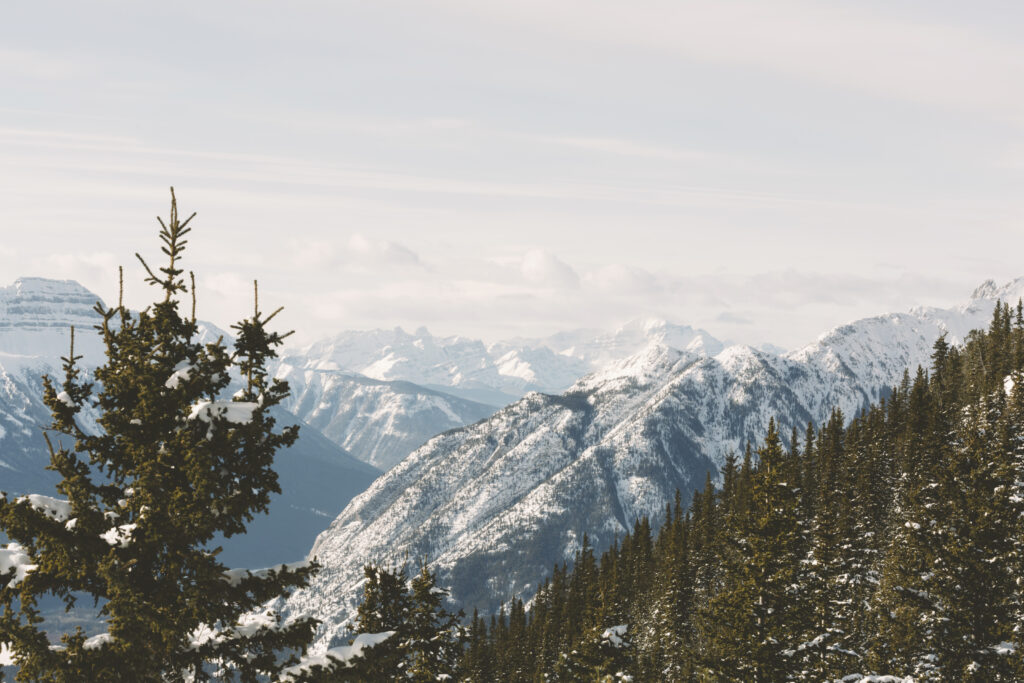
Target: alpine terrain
point(494, 505)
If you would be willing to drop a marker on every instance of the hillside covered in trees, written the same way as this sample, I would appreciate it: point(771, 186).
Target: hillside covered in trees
point(886, 548)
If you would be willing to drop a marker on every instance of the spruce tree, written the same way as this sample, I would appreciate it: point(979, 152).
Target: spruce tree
point(434, 639)
point(752, 625)
point(386, 606)
point(172, 465)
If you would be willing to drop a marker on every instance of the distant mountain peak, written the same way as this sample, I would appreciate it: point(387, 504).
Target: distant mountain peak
point(1011, 292)
point(986, 290)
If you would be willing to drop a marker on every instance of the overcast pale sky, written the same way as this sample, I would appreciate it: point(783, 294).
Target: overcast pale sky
point(765, 170)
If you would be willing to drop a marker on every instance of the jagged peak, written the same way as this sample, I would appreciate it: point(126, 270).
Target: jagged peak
point(1010, 292)
point(986, 290)
point(652, 361)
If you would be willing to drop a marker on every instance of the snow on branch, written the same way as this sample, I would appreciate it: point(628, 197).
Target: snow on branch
point(119, 535)
point(55, 508)
point(337, 656)
point(14, 557)
point(247, 626)
point(182, 373)
point(237, 576)
point(236, 412)
point(616, 636)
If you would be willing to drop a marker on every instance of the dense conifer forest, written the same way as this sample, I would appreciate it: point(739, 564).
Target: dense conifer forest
point(886, 548)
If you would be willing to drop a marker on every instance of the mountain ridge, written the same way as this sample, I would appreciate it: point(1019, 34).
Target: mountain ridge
point(495, 504)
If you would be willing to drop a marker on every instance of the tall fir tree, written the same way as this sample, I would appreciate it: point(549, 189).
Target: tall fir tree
point(434, 638)
point(172, 466)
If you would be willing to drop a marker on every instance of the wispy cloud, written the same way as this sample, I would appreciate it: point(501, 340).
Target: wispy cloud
point(848, 46)
point(33, 64)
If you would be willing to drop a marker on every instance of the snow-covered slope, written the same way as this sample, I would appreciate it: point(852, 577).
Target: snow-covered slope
point(380, 422)
point(383, 393)
point(317, 477)
point(597, 349)
point(494, 505)
point(494, 374)
point(458, 365)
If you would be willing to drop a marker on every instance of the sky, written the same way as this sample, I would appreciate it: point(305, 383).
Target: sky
point(494, 169)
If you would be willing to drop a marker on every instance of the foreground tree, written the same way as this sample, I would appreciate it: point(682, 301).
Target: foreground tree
point(414, 636)
point(168, 467)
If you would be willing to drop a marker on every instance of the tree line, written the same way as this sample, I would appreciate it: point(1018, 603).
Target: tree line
point(886, 547)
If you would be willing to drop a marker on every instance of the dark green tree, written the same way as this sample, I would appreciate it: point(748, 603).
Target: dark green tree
point(386, 607)
point(434, 638)
point(172, 466)
point(754, 622)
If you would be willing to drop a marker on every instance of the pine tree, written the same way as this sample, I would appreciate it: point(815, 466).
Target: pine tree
point(434, 638)
point(386, 606)
point(752, 624)
point(173, 466)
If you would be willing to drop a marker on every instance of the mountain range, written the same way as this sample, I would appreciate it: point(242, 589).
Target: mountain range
point(383, 393)
point(599, 429)
point(495, 504)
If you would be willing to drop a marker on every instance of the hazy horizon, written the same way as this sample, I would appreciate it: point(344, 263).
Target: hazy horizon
point(763, 173)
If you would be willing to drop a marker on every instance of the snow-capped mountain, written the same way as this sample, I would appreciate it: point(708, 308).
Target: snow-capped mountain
point(598, 349)
point(383, 393)
point(317, 477)
point(380, 422)
point(456, 365)
point(494, 374)
point(495, 504)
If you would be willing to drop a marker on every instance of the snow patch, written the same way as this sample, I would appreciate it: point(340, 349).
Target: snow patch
point(55, 508)
point(342, 655)
point(237, 576)
point(97, 641)
point(235, 412)
point(119, 535)
point(182, 373)
point(14, 557)
point(616, 635)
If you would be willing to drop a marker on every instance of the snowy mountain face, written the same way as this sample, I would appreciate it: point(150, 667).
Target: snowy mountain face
point(317, 477)
point(455, 365)
point(598, 349)
point(496, 504)
point(379, 422)
point(323, 374)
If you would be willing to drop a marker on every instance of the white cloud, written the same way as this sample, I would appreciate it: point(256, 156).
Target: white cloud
point(382, 252)
point(617, 278)
point(543, 268)
point(622, 147)
point(97, 270)
point(358, 252)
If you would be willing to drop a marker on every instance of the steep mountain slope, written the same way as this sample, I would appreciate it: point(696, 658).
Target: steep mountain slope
point(382, 393)
point(317, 477)
point(380, 422)
point(494, 505)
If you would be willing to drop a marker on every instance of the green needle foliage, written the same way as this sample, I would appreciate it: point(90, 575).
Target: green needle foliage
point(171, 466)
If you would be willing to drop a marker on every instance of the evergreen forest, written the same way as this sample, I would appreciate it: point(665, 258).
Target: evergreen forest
point(888, 547)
